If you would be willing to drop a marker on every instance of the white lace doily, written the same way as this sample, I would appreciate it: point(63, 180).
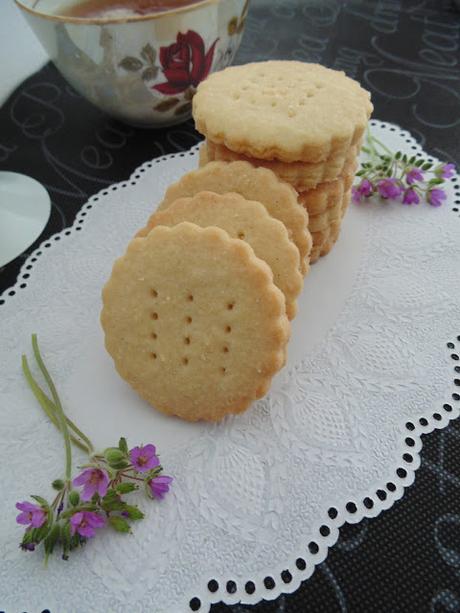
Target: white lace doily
point(258, 499)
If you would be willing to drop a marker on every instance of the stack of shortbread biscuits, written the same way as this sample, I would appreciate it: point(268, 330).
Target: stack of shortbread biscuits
point(302, 121)
point(196, 312)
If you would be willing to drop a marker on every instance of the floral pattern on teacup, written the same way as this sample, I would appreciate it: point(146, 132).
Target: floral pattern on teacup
point(185, 63)
point(146, 63)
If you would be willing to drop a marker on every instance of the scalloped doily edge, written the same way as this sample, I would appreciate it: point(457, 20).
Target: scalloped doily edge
point(271, 585)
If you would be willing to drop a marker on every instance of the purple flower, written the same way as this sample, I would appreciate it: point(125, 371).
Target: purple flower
point(414, 175)
point(159, 486)
point(356, 196)
point(144, 458)
point(32, 514)
point(447, 171)
point(365, 188)
point(93, 480)
point(411, 197)
point(85, 523)
point(389, 188)
point(27, 546)
point(436, 197)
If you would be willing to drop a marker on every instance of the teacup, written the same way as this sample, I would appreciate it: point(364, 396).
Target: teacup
point(142, 70)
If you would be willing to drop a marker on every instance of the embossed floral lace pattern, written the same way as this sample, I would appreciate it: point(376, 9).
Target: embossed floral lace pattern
point(263, 492)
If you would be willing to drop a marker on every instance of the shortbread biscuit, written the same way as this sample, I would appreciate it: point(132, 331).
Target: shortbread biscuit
point(323, 220)
point(249, 221)
point(258, 184)
point(325, 247)
point(194, 322)
point(203, 157)
point(325, 195)
point(346, 202)
point(301, 175)
point(284, 110)
point(324, 240)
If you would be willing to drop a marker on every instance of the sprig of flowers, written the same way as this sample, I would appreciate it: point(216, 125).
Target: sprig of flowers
point(96, 496)
point(396, 176)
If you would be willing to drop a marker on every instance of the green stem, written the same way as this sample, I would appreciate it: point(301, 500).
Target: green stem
point(59, 410)
point(131, 477)
point(50, 409)
point(372, 141)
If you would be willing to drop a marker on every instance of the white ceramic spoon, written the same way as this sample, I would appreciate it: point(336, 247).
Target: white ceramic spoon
point(25, 207)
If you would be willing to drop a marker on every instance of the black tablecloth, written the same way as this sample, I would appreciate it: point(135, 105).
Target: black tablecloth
point(407, 54)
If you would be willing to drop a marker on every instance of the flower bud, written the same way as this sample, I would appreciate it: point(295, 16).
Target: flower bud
point(133, 512)
point(126, 488)
point(114, 455)
point(74, 498)
point(58, 484)
point(52, 538)
point(123, 445)
point(38, 534)
point(119, 524)
point(119, 465)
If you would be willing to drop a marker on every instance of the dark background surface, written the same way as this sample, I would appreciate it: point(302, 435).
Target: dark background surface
point(407, 54)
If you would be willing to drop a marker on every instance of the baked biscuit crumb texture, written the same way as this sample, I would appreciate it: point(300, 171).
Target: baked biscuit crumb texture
point(282, 110)
point(249, 221)
point(259, 184)
point(194, 322)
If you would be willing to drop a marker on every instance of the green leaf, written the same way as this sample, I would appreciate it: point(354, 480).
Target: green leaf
point(74, 498)
point(412, 159)
point(360, 173)
point(427, 166)
point(119, 524)
point(134, 512)
point(435, 181)
point(404, 158)
point(419, 163)
point(123, 445)
point(149, 54)
point(131, 64)
point(126, 488)
point(58, 484)
point(398, 155)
